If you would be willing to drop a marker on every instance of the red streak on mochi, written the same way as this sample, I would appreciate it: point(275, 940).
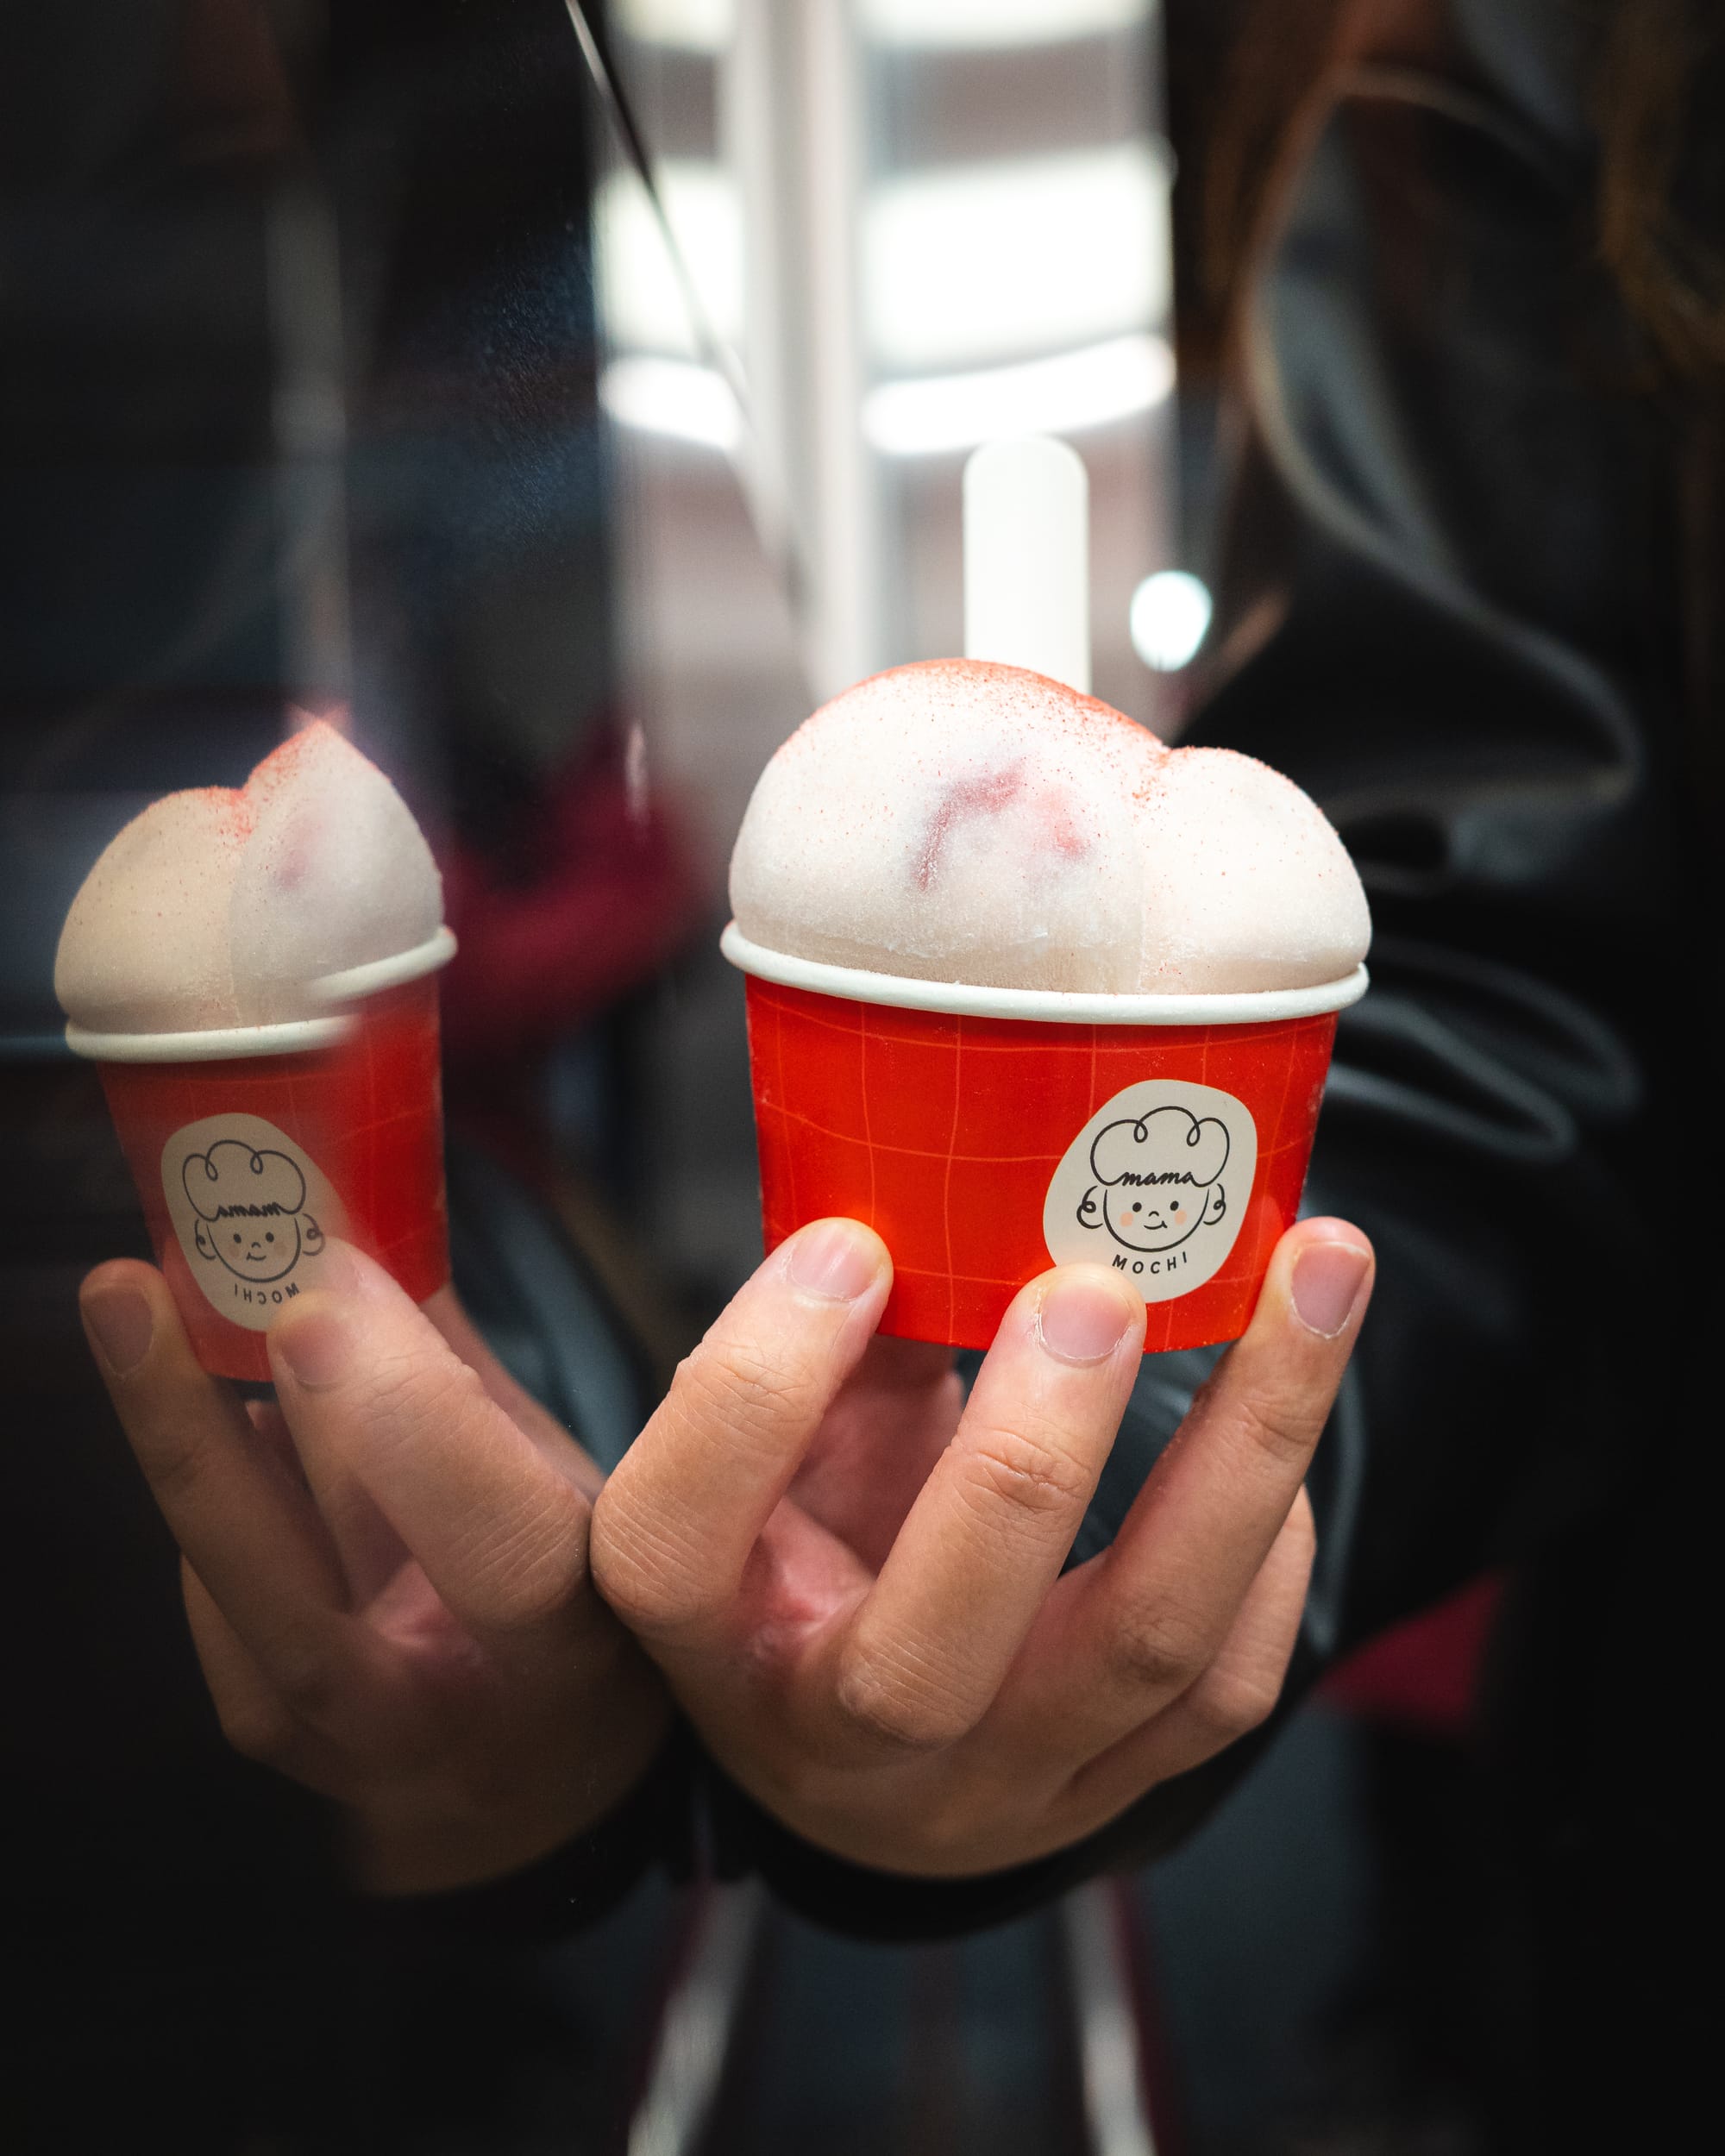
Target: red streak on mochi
point(1063, 834)
point(962, 800)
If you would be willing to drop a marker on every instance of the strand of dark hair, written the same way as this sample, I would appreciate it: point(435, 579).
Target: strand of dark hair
point(1658, 87)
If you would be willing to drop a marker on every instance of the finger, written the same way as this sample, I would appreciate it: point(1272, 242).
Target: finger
point(255, 1718)
point(370, 1552)
point(533, 1420)
point(1231, 1697)
point(244, 1522)
point(269, 1427)
point(1133, 1629)
point(878, 1443)
point(380, 1404)
point(925, 1654)
point(674, 1525)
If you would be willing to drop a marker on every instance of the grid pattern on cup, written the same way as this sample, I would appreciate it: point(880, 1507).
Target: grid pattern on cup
point(918, 1121)
point(369, 1112)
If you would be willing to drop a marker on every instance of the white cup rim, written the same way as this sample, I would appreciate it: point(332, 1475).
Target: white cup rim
point(216, 1044)
point(377, 973)
point(288, 1037)
point(853, 984)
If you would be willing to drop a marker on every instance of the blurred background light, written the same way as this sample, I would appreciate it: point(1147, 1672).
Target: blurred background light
point(1062, 394)
point(673, 397)
point(1169, 619)
point(985, 24)
point(693, 26)
point(985, 262)
point(707, 26)
point(640, 296)
point(1006, 258)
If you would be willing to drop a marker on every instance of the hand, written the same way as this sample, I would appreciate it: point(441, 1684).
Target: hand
point(856, 1591)
point(387, 1575)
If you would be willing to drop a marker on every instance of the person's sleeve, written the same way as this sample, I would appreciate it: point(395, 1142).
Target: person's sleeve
point(568, 1890)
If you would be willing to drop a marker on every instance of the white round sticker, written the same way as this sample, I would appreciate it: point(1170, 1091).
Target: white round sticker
point(1156, 1185)
point(253, 1211)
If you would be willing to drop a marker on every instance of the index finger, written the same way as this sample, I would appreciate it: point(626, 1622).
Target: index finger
point(1125, 1633)
point(683, 1509)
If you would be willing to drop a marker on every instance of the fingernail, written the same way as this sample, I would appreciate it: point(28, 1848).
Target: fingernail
point(835, 1260)
point(316, 1347)
point(1327, 1279)
point(122, 1326)
point(1082, 1319)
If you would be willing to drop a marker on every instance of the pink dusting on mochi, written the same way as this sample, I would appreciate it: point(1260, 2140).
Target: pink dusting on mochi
point(220, 907)
point(310, 738)
point(958, 820)
point(231, 812)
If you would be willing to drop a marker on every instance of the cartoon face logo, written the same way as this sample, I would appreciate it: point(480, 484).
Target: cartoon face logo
point(250, 1204)
point(1158, 1178)
point(1156, 1185)
point(252, 1213)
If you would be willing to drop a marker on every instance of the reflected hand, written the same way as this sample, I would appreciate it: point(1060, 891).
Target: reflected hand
point(387, 1575)
point(856, 1591)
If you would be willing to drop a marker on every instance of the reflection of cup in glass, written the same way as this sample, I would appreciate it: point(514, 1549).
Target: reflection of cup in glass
point(253, 1146)
point(254, 971)
point(988, 1133)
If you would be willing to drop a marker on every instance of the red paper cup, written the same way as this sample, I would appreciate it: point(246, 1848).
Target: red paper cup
point(986, 1134)
point(252, 1148)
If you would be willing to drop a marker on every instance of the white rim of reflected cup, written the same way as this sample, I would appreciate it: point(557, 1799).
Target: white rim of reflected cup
point(951, 999)
point(289, 1037)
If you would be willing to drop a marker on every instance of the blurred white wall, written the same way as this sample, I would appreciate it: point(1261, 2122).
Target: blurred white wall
point(918, 224)
point(896, 229)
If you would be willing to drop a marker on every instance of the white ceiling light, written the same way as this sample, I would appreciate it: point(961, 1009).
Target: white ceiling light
point(1000, 260)
point(1169, 619)
point(671, 397)
point(695, 26)
point(982, 24)
point(641, 296)
point(946, 413)
point(707, 25)
point(1062, 395)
